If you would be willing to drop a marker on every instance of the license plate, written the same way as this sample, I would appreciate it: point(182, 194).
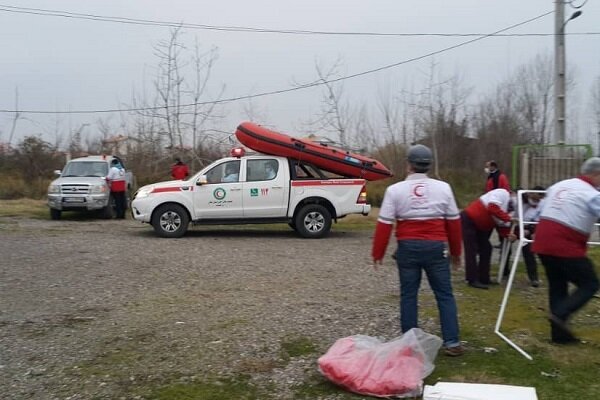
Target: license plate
point(74, 200)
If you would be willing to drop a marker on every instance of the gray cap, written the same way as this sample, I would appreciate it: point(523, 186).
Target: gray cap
point(420, 155)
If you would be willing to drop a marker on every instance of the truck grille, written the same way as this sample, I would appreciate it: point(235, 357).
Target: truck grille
point(75, 189)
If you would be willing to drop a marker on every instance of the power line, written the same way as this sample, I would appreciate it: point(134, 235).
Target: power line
point(145, 22)
point(292, 89)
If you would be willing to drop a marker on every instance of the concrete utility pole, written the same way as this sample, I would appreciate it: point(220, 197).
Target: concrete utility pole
point(559, 68)
point(560, 85)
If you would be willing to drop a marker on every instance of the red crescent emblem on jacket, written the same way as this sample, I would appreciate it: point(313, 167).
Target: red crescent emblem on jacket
point(560, 194)
point(418, 190)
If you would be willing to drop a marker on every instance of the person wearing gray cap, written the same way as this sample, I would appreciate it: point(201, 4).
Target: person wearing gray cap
point(427, 229)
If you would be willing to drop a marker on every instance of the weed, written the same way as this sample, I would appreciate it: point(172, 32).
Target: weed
point(297, 347)
point(24, 208)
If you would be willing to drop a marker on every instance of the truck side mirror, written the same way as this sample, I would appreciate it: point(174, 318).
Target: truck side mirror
point(57, 172)
point(202, 180)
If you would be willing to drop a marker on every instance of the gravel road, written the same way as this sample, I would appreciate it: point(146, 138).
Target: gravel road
point(103, 309)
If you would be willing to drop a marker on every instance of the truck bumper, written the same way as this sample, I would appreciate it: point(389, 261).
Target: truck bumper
point(366, 209)
point(141, 210)
point(79, 202)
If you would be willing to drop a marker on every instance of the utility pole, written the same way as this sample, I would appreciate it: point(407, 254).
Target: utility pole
point(560, 85)
point(559, 68)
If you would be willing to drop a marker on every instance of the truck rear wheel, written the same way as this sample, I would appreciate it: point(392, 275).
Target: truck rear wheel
point(55, 214)
point(313, 221)
point(170, 221)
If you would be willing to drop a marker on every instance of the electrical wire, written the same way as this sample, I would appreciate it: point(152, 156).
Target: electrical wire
point(145, 22)
point(292, 89)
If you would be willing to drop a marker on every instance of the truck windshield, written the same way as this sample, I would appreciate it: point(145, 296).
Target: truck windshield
point(86, 168)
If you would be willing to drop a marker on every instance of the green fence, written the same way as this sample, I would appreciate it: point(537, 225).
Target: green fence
point(544, 165)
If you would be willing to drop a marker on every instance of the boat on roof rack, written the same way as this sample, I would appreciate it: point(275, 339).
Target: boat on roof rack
point(329, 158)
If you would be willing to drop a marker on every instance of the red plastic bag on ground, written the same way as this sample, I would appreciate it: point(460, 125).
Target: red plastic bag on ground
point(366, 365)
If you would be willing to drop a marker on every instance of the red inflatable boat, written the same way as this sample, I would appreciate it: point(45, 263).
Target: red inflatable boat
point(332, 159)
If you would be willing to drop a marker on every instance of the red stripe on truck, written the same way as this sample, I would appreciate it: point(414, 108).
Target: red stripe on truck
point(169, 189)
point(330, 182)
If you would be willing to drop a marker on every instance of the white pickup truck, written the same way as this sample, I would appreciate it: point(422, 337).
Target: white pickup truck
point(251, 189)
point(82, 186)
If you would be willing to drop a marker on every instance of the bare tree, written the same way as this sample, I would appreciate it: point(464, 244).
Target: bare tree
point(532, 87)
point(181, 109)
point(202, 113)
point(442, 119)
point(334, 115)
point(15, 119)
point(398, 126)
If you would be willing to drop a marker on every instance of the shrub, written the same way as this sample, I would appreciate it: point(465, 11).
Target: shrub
point(15, 187)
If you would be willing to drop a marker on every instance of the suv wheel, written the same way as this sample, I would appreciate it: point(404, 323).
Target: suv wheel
point(313, 221)
point(108, 212)
point(55, 214)
point(170, 221)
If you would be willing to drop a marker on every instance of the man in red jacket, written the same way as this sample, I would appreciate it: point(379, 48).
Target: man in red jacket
point(567, 218)
point(478, 221)
point(496, 179)
point(179, 170)
point(427, 222)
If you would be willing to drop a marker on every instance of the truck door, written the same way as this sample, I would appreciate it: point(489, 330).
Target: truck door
point(266, 189)
point(221, 197)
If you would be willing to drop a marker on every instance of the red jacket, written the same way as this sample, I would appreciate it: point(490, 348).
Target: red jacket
point(179, 171)
point(423, 209)
point(497, 180)
point(489, 212)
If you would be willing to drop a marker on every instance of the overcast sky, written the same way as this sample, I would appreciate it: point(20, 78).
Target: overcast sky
point(61, 64)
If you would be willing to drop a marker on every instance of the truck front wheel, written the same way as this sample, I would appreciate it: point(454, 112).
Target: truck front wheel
point(313, 221)
point(170, 221)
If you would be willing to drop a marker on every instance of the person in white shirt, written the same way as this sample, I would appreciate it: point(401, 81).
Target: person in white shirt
point(532, 204)
point(118, 185)
point(428, 233)
point(570, 210)
point(232, 172)
point(270, 170)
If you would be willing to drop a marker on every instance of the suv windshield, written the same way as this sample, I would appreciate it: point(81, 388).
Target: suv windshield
point(86, 168)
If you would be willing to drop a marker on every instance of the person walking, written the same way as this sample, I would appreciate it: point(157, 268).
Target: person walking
point(118, 185)
point(479, 219)
point(427, 226)
point(570, 210)
point(495, 178)
point(179, 170)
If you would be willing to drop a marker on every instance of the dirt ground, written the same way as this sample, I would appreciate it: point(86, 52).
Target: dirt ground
point(103, 309)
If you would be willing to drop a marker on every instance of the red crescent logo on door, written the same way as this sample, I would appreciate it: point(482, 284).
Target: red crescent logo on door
point(418, 190)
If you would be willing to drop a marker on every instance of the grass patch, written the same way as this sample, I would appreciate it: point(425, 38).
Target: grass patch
point(317, 387)
point(28, 208)
point(297, 347)
point(356, 222)
point(115, 362)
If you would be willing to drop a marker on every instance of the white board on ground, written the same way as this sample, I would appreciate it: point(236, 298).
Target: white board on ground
point(477, 391)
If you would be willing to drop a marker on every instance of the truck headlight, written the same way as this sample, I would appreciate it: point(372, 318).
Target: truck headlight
point(96, 189)
point(143, 192)
point(53, 189)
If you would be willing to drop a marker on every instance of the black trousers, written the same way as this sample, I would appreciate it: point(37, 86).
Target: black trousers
point(530, 262)
point(562, 271)
point(120, 203)
point(478, 251)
